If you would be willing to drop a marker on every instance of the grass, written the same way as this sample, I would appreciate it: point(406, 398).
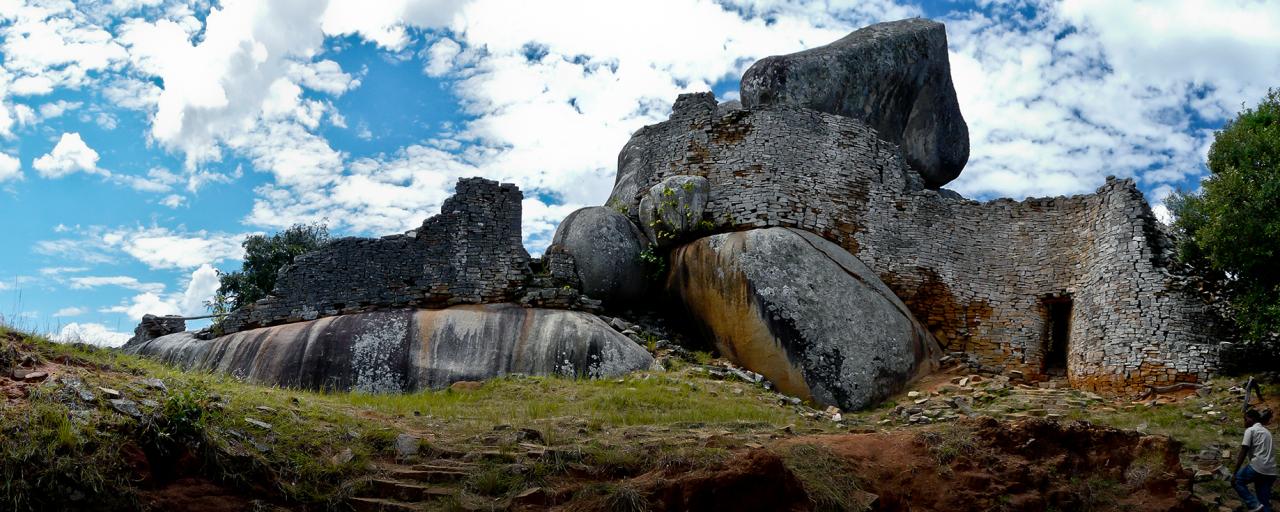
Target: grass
point(58, 451)
point(827, 479)
point(948, 442)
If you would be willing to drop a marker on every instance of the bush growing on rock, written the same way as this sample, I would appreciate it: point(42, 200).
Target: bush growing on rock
point(264, 256)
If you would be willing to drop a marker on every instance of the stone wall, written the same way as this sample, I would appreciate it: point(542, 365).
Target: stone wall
point(979, 275)
point(471, 253)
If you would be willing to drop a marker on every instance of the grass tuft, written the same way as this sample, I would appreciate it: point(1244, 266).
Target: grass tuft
point(827, 479)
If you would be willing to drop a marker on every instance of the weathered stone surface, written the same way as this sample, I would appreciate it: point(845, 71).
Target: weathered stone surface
point(410, 349)
point(674, 209)
point(977, 274)
point(763, 163)
point(893, 76)
point(470, 253)
point(804, 313)
point(152, 327)
point(605, 246)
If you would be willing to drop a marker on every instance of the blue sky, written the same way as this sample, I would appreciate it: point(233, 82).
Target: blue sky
point(141, 140)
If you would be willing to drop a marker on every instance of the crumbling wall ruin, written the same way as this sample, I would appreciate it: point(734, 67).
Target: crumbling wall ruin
point(471, 253)
point(977, 274)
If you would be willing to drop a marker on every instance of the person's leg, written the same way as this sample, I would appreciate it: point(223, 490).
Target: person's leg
point(1243, 478)
point(1263, 484)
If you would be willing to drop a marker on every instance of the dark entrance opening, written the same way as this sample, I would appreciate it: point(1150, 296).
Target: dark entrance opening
point(1057, 335)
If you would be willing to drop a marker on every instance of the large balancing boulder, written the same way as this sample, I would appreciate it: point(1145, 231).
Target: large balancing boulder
point(605, 246)
point(894, 76)
point(804, 313)
point(410, 349)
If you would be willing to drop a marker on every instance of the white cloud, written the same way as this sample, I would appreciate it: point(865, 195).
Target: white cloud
point(133, 94)
point(602, 75)
point(161, 248)
point(91, 333)
point(55, 271)
point(1087, 89)
point(157, 180)
point(173, 200)
point(325, 76)
point(215, 87)
point(71, 311)
point(48, 45)
point(201, 287)
point(87, 251)
point(23, 114)
point(384, 22)
point(106, 121)
point(131, 5)
point(10, 168)
point(157, 247)
point(89, 282)
point(190, 302)
point(70, 155)
point(440, 56)
point(149, 303)
point(57, 108)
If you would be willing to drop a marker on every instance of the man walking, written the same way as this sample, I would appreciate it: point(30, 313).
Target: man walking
point(1261, 469)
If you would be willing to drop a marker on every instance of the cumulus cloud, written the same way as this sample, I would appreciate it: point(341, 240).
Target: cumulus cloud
point(51, 44)
point(384, 22)
point(10, 168)
point(1086, 89)
point(440, 57)
point(521, 68)
point(200, 287)
point(91, 333)
point(69, 156)
point(325, 76)
point(213, 87)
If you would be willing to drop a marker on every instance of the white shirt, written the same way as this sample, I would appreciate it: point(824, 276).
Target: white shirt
point(1258, 439)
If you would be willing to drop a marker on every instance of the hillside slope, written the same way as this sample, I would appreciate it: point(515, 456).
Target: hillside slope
point(91, 429)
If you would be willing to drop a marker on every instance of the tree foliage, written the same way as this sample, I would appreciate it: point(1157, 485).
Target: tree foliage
point(1233, 225)
point(264, 256)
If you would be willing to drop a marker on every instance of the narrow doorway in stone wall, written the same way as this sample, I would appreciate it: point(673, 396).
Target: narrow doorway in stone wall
point(1057, 335)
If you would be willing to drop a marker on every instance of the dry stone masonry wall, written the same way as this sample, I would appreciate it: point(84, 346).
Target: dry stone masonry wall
point(982, 276)
point(471, 253)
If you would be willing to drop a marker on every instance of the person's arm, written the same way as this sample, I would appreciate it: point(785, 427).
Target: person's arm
point(1246, 448)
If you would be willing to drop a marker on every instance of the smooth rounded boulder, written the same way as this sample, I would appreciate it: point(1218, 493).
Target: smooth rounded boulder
point(804, 313)
point(605, 246)
point(894, 76)
point(674, 209)
point(410, 349)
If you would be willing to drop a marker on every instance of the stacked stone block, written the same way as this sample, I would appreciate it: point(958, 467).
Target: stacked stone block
point(977, 274)
point(471, 253)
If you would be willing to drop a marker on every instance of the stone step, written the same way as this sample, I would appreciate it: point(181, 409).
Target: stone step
point(405, 491)
point(445, 464)
point(360, 504)
point(433, 474)
point(491, 456)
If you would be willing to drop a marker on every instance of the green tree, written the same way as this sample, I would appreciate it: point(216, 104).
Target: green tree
point(1232, 227)
point(264, 256)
